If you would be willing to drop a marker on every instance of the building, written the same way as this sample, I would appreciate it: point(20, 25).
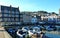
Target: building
point(42, 16)
point(27, 18)
point(58, 18)
point(26, 12)
point(59, 11)
point(9, 15)
point(34, 19)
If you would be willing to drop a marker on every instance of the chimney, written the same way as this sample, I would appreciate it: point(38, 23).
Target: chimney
point(10, 6)
point(18, 7)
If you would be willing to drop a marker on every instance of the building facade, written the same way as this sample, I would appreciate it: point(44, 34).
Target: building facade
point(59, 11)
point(9, 15)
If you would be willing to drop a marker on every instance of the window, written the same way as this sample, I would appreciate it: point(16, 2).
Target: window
point(6, 15)
point(2, 11)
point(17, 19)
point(0, 15)
point(13, 12)
point(12, 15)
point(6, 11)
point(0, 19)
point(17, 12)
point(21, 15)
point(9, 15)
point(12, 19)
point(5, 19)
point(17, 15)
point(9, 19)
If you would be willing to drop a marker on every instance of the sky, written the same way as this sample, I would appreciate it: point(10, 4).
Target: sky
point(34, 5)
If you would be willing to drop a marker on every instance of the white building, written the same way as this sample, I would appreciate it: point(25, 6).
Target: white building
point(34, 19)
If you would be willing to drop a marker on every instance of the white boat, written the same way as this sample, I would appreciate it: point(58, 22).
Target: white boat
point(26, 31)
point(36, 29)
point(22, 32)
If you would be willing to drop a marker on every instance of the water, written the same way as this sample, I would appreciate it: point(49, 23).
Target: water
point(52, 35)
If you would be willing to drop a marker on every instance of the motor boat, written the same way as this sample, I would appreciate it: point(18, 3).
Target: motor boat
point(36, 29)
point(22, 32)
point(50, 28)
point(26, 31)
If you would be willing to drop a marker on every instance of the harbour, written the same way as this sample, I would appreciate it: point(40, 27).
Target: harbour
point(48, 33)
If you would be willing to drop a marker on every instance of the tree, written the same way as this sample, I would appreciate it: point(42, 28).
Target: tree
point(42, 11)
point(53, 13)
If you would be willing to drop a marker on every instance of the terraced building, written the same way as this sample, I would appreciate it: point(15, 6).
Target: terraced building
point(9, 15)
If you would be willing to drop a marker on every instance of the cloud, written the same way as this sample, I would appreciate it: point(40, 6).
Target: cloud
point(3, 3)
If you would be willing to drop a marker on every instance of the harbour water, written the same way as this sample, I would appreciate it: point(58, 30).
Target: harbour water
point(52, 35)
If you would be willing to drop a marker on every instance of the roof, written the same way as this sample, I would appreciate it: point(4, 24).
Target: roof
point(9, 8)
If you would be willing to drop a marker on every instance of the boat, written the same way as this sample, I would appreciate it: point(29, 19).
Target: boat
point(25, 31)
point(22, 32)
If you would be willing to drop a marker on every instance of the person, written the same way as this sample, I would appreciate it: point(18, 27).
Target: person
point(42, 35)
